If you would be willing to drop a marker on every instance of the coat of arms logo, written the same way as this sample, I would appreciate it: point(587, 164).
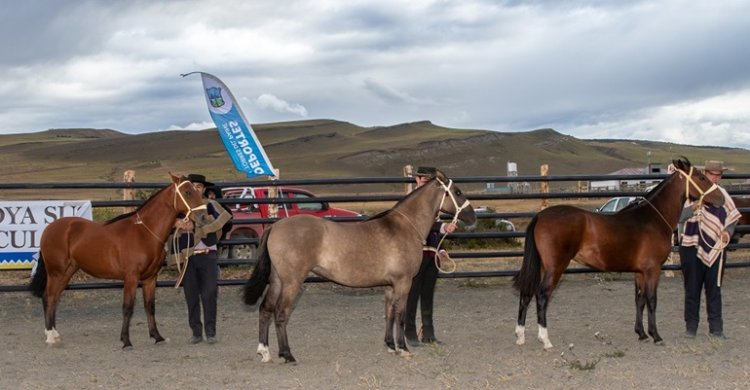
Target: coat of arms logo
point(214, 97)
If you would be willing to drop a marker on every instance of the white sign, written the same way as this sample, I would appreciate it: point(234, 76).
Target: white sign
point(22, 224)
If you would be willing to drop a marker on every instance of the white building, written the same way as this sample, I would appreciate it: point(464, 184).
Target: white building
point(620, 185)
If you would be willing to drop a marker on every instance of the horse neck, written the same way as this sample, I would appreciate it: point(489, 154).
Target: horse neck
point(670, 199)
point(422, 207)
point(158, 214)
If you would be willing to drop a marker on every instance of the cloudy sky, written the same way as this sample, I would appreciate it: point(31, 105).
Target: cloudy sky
point(671, 70)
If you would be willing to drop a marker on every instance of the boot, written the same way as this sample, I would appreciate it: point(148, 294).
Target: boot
point(427, 297)
point(428, 329)
point(410, 320)
point(411, 335)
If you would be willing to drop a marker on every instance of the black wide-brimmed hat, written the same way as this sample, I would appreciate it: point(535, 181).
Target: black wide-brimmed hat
point(215, 190)
point(195, 178)
point(426, 172)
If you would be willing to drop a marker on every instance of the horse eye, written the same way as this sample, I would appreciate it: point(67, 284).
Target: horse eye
point(458, 192)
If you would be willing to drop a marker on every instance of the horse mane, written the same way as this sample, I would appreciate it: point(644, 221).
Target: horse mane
point(127, 215)
point(409, 195)
point(681, 163)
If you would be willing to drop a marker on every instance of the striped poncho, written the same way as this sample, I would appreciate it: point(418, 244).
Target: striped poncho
point(711, 221)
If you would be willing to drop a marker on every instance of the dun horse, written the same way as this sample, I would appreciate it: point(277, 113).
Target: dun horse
point(129, 247)
point(636, 239)
point(385, 250)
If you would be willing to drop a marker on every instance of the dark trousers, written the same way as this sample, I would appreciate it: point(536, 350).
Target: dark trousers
point(697, 276)
point(201, 287)
point(423, 293)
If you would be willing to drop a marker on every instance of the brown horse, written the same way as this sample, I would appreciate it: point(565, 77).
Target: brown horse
point(636, 239)
point(129, 247)
point(385, 250)
point(745, 218)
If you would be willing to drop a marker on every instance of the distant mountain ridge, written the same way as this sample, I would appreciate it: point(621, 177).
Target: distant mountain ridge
point(328, 148)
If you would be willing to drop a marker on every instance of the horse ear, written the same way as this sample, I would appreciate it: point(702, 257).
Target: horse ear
point(684, 163)
point(175, 179)
point(440, 175)
point(681, 163)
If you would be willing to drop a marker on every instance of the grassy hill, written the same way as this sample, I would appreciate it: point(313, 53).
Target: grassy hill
point(328, 148)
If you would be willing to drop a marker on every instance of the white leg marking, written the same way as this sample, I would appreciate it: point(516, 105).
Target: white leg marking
point(52, 336)
point(544, 338)
point(520, 335)
point(264, 353)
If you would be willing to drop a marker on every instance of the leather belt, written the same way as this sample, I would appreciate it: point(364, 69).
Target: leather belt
point(203, 251)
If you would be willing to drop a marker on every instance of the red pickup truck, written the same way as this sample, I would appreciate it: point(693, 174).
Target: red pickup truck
point(260, 210)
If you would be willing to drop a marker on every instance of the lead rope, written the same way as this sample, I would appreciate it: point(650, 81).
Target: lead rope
point(178, 256)
point(660, 215)
point(139, 221)
point(176, 236)
point(438, 257)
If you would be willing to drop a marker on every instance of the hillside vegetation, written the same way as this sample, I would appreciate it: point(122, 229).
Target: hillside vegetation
point(329, 148)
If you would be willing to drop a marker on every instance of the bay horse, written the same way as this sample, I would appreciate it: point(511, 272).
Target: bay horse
point(741, 203)
point(385, 250)
point(129, 247)
point(636, 239)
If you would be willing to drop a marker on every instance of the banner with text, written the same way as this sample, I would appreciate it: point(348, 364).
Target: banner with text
point(242, 145)
point(22, 223)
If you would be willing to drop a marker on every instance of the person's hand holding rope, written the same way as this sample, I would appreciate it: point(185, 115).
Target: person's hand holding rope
point(184, 225)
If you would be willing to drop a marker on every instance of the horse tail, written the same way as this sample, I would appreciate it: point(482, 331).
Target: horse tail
point(39, 280)
point(528, 278)
point(255, 286)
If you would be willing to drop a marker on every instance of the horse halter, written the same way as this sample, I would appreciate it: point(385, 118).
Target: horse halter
point(187, 206)
point(466, 203)
point(689, 180)
point(447, 189)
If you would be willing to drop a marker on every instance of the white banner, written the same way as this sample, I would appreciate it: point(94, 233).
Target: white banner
point(22, 223)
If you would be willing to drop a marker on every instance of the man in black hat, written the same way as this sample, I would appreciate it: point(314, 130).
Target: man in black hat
point(423, 286)
point(200, 282)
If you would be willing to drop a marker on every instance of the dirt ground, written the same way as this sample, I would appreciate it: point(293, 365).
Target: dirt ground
point(336, 335)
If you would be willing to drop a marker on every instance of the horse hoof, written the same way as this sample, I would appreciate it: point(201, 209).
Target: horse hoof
point(264, 353)
point(391, 350)
point(160, 340)
point(659, 342)
point(127, 347)
point(52, 337)
point(643, 338)
point(405, 354)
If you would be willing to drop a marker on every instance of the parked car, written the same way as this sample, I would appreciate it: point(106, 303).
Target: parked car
point(499, 223)
point(261, 210)
point(616, 204)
